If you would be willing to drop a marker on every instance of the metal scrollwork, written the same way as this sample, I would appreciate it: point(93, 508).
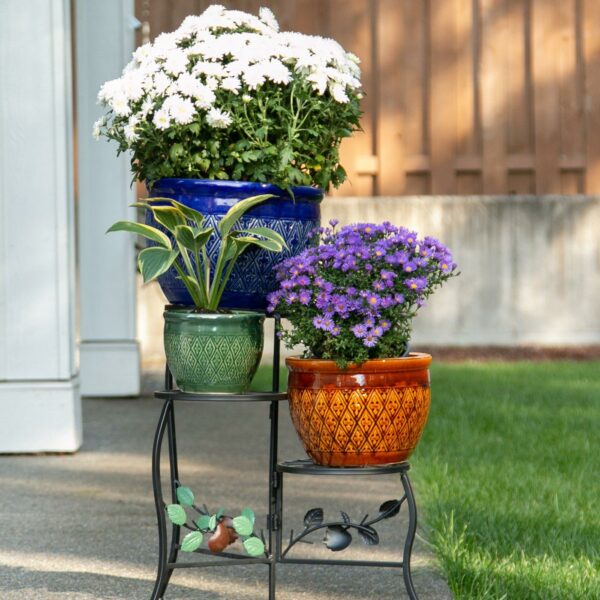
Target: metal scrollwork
point(337, 533)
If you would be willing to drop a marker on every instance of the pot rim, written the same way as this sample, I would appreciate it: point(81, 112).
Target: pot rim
point(310, 193)
point(413, 362)
point(185, 313)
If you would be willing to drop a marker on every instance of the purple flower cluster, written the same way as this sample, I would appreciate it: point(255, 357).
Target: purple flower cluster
point(359, 284)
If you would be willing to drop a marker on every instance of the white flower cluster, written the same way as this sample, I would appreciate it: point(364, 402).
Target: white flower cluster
point(173, 79)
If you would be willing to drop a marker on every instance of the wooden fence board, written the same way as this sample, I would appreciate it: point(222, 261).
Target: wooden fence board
point(462, 96)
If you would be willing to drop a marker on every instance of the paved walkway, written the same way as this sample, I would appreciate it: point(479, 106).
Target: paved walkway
point(82, 526)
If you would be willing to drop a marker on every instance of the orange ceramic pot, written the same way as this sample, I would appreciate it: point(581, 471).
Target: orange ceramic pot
point(370, 414)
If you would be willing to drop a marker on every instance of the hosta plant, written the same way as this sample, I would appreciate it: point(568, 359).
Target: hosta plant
point(184, 245)
point(217, 528)
point(353, 297)
point(229, 96)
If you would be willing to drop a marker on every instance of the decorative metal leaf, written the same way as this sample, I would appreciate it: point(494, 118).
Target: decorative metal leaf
point(242, 525)
point(369, 536)
point(203, 521)
point(220, 512)
point(185, 496)
point(337, 538)
point(212, 522)
point(313, 517)
point(191, 541)
point(345, 517)
point(176, 514)
point(390, 505)
point(254, 546)
point(249, 514)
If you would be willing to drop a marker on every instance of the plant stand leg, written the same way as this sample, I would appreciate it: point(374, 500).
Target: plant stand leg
point(162, 571)
point(410, 536)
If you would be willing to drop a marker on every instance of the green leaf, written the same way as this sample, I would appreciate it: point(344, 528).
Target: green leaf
point(266, 244)
point(185, 496)
point(238, 210)
point(249, 514)
point(203, 235)
point(286, 156)
point(212, 523)
point(146, 231)
point(176, 151)
point(189, 213)
point(168, 216)
point(191, 541)
point(185, 236)
point(243, 525)
point(203, 521)
point(254, 546)
point(266, 233)
point(176, 514)
point(154, 261)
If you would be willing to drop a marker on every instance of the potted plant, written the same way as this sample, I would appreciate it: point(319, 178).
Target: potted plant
point(227, 107)
point(358, 396)
point(208, 349)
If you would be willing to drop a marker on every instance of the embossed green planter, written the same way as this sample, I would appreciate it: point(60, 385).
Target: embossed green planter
point(213, 352)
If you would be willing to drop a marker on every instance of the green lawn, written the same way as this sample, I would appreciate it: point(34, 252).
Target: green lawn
point(507, 479)
point(507, 476)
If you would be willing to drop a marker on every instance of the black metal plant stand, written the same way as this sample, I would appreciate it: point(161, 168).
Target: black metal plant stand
point(337, 537)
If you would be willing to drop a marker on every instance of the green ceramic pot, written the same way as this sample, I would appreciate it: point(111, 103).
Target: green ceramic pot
point(213, 353)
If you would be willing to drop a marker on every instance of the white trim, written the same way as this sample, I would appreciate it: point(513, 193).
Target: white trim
point(110, 369)
point(42, 416)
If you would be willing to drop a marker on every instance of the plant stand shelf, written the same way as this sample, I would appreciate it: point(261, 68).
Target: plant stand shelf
point(169, 546)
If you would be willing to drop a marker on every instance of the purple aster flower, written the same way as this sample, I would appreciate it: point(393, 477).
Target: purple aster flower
point(303, 280)
point(379, 286)
point(385, 324)
point(399, 298)
point(370, 340)
point(416, 284)
point(387, 302)
point(291, 298)
point(335, 331)
point(360, 330)
point(368, 267)
point(378, 331)
point(369, 322)
point(286, 284)
point(410, 267)
point(318, 322)
point(334, 222)
point(387, 275)
point(373, 299)
point(304, 297)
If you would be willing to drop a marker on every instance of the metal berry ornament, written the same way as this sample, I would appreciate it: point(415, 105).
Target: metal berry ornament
point(353, 297)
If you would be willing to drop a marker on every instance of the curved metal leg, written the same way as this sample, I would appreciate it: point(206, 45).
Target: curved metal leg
point(410, 536)
point(162, 572)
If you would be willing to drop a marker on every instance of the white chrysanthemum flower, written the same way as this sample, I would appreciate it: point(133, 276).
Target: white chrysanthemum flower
point(236, 67)
point(176, 62)
point(339, 93)
point(130, 130)
point(108, 91)
point(319, 80)
point(247, 98)
point(231, 84)
point(218, 118)
point(254, 76)
point(161, 119)
point(133, 85)
point(277, 72)
point(120, 104)
point(162, 82)
point(147, 106)
point(181, 110)
point(101, 122)
point(267, 17)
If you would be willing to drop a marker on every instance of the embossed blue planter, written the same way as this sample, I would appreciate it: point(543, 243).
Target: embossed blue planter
point(253, 276)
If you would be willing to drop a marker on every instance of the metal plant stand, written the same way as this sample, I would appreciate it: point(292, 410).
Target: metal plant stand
point(336, 536)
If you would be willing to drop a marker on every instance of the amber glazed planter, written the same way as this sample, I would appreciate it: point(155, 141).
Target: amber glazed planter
point(370, 414)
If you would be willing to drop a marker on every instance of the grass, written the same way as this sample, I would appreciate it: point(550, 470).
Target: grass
point(507, 479)
point(507, 476)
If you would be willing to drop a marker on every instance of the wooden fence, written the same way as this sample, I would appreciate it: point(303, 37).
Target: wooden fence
point(463, 96)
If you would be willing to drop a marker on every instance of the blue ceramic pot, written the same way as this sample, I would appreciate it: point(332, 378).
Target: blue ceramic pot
point(253, 276)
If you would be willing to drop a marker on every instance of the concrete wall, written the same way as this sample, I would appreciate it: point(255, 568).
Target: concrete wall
point(530, 268)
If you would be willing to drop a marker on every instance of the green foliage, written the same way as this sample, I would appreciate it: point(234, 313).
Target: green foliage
point(185, 248)
point(286, 135)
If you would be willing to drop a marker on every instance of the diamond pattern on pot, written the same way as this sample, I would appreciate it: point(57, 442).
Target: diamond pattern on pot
point(367, 420)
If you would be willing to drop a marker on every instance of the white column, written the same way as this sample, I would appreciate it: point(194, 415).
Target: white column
point(40, 408)
point(110, 358)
